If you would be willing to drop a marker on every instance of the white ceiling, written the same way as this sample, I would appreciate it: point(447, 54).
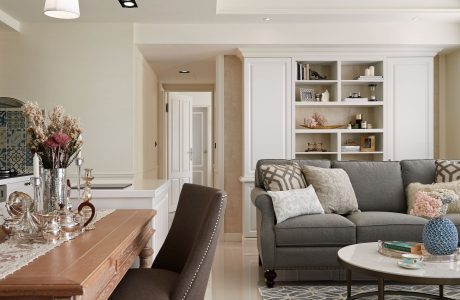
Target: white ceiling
point(244, 11)
point(200, 59)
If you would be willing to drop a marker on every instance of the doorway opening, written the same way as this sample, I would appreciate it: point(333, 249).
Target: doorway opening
point(190, 138)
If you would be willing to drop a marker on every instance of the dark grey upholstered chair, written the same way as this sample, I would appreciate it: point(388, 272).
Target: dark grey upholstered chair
point(183, 264)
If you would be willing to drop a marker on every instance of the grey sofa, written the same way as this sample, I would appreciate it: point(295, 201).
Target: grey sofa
point(311, 242)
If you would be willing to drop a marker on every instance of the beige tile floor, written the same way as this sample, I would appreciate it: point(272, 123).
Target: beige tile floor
point(235, 273)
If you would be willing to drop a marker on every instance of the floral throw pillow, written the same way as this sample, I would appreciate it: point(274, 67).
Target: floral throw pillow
point(294, 203)
point(415, 187)
point(282, 177)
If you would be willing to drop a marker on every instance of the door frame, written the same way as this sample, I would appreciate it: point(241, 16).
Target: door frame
point(209, 177)
point(217, 109)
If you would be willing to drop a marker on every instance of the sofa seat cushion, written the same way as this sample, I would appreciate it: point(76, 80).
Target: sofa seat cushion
point(372, 226)
point(315, 230)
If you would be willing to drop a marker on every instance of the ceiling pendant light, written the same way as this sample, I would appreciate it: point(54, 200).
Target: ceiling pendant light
point(62, 9)
point(128, 3)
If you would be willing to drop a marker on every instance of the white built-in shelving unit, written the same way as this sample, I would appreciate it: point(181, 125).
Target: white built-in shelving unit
point(340, 82)
point(402, 119)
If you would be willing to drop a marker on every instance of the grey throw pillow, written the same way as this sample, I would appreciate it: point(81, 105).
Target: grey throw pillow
point(333, 188)
point(414, 187)
point(282, 177)
point(293, 203)
point(447, 170)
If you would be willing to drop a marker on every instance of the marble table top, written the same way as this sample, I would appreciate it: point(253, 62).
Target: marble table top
point(365, 256)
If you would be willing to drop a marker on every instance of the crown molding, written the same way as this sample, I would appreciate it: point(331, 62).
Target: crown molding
point(339, 50)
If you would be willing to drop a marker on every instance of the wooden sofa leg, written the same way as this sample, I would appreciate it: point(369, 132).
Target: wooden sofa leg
point(270, 276)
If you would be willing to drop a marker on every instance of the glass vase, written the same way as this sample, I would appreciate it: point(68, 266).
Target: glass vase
point(440, 236)
point(27, 229)
point(54, 190)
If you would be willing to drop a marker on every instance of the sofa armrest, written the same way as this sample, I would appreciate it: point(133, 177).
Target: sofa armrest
point(266, 221)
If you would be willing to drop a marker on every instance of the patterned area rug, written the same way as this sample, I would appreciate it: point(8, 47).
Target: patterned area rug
point(327, 292)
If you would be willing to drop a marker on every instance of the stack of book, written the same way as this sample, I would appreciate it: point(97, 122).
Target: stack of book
point(303, 71)
point(369, 78)
point(405, 247)
point(355, 99)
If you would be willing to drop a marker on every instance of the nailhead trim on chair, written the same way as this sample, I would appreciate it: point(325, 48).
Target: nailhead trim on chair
point(207, 248)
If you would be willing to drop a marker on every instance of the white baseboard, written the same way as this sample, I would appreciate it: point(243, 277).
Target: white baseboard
point(233, 237)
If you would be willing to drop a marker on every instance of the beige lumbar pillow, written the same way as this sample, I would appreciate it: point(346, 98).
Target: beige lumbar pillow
point(333, 188)
point(415, 187)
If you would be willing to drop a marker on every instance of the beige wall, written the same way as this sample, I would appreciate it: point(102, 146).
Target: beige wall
point(146, 120)
point(233, 144)
point(451, 109)
point(88, 69)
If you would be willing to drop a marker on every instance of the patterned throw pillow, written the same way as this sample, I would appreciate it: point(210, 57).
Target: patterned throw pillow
point(447, 170)
point(413, 188)
point(293, 203)
point(334, 189)
point(282, 177)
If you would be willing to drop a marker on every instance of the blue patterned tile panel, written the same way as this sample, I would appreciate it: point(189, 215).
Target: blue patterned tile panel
point(3, 137)
point(2, 118)
point(16, 159)
point(14, 152)
point(3, 160)
point(29, 157)
point(15, 120)
point(16, 138)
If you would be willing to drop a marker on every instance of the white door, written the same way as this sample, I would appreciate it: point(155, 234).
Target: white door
point(411, 96)
point(179, 145)
point(200, 145)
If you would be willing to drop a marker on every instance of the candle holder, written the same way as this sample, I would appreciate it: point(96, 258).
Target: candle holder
point(86, 208)
point(79, 163)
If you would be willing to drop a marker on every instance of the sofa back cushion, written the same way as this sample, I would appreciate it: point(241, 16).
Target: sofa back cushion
point(259, 179)
point(378, 185)
point(418, 170)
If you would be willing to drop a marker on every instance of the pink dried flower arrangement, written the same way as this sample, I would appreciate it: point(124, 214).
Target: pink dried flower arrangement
point(56, 141)
point(427, 206)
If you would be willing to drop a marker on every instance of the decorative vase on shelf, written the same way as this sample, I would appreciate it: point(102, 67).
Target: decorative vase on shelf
point(440, 236)
point(54, 194)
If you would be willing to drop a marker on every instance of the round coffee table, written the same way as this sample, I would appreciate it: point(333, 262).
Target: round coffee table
point(365, 259)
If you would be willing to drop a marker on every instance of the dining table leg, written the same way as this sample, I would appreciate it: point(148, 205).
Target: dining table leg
point(441, 291)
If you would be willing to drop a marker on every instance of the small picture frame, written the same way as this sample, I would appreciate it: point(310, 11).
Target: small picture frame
point(307, 94)
point(368, 143)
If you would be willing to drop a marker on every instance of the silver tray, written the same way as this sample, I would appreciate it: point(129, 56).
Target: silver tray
point(426, 256)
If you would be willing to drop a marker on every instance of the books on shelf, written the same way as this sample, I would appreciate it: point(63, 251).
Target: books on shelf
point(303, 71)
point(360, 99)
point(351, 148)
point(407, 247)
point(369, 78)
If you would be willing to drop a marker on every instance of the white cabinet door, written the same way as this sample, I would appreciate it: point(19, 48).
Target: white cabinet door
point(410, 108)
point(267, 110)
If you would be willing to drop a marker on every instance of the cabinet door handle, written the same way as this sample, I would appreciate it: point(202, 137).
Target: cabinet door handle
point(26, 183)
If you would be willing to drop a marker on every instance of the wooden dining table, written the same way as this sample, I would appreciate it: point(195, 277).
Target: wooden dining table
point(89, 266)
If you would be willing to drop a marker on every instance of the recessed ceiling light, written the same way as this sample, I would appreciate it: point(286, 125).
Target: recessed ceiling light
point(267, 19)
point(184, 72)
point(128, 3)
